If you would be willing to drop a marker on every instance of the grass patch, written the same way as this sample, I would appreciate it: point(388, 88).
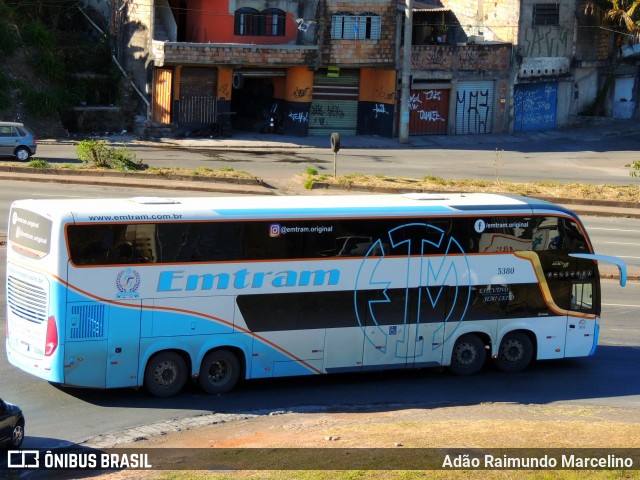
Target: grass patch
point(38, 163)
point(430, 183)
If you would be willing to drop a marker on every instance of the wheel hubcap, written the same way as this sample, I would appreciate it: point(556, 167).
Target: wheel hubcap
point(165, 374)
point(17, 435)
point(466, 354)
point(218, 372)
point(512, 351)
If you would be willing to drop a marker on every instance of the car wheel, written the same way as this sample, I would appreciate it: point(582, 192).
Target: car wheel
point(468, 356)
point(165, 375)
point(22, 154)
point(219, 372)
point(17, 435)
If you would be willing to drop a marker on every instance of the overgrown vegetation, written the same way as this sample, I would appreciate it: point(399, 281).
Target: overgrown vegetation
point(635, 169)
point(47, 49)
point(100, 154)
point(39, 163)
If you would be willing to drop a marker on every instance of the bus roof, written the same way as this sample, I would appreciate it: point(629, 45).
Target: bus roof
point(307, 207)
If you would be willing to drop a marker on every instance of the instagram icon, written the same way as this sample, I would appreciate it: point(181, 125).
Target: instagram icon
point(274, 230)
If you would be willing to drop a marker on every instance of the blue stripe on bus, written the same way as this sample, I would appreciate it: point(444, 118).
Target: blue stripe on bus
point(333, 211)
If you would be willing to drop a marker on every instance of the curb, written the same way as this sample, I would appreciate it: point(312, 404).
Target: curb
point(137, 175)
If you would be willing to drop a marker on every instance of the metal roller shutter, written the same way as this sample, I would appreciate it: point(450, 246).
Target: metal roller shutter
point(334, 107)
point(429, 111)
point(198, 89)
point(474, 107)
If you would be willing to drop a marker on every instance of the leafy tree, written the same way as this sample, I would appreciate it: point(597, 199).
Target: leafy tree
point(622, 17)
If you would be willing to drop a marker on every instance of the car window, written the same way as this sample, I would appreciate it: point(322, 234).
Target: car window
point(5, 131)
point(21, 132)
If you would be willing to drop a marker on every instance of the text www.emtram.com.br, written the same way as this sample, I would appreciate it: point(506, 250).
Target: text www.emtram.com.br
point(118, 218)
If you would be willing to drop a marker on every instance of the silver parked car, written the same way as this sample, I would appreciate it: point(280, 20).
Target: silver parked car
point(11, 425)
point(17, 141)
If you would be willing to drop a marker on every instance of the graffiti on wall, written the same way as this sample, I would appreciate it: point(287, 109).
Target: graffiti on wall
point(381, 93)
point(434, 57)
point(224, 91)
point(535, 107)
point(323, 113)
point(473, 111)
point(379, 108)
point(299, 117)
point(546, 42)
point(470, 57)
point(426, 104)
point(300, 93)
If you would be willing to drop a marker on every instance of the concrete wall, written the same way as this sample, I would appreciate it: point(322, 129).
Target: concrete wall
point(135, 40)
point(496, 20)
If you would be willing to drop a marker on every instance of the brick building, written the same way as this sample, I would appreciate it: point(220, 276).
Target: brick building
point(300, 67)
point(320, 66)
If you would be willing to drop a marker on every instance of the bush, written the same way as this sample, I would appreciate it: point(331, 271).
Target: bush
point(38, 163)
point(48, 64)
point(98, 153)
point(124, 159)
point(93, 152)
point(46, 104)
point(37, 34)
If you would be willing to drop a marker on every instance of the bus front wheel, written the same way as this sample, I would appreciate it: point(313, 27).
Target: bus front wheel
point(166, 374)
point(468, 356)
point(515, 352)
point(219, 372)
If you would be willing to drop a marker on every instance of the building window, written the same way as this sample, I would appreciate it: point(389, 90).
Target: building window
point(273, 21)
point(246, 21)
point(349, 26)
point(269, 22)
point(546, 14)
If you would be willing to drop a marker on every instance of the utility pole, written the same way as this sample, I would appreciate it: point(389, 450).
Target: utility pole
point(406, 73)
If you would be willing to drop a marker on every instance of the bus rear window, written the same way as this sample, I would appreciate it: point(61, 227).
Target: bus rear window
point(29, 233)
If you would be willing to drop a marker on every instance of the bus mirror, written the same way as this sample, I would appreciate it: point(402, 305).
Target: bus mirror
point(622, 267)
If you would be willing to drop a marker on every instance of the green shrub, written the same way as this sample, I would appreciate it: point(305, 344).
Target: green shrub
point(124, 159)
point(37, 34)
point(635, 169)
point(40, 103)
point(93, 152)
point(49, 64)
point(38, 163)
point(98, 153)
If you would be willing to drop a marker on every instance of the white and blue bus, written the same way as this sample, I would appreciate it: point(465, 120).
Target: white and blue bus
point(146, 291)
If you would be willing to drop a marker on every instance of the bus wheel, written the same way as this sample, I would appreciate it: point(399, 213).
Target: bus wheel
point(219, 372)
point(515, 352)
point(469, 355)
point(165, 375)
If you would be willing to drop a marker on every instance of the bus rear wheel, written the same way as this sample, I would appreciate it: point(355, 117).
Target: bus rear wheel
point(165, 375)
point(219, 372)
point(468, 356)
point(515, 352)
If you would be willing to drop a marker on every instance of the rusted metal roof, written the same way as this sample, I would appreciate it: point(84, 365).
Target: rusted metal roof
point(429, 7)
